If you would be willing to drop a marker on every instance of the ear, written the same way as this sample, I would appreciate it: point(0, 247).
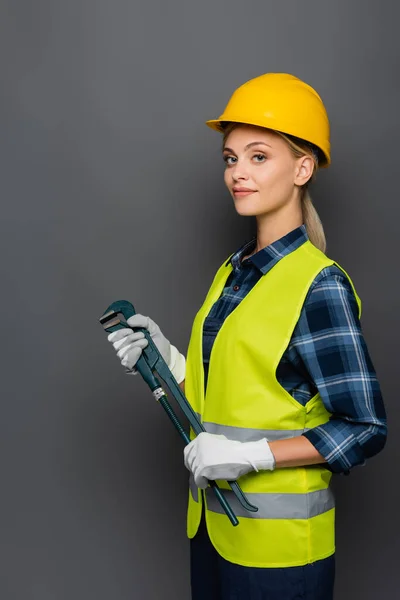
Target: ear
point(304, 170)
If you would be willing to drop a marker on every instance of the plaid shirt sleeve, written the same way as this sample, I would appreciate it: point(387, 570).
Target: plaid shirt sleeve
point(330, 343)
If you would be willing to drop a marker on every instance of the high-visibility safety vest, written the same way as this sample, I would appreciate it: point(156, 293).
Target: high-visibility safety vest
point(295, 521)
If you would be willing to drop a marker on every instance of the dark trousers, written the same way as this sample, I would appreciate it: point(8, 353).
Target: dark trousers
point(214, 578)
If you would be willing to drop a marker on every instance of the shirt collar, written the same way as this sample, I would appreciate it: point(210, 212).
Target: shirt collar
point(267, 257)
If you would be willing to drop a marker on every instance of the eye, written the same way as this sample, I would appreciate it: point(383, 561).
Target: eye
point(228, 159)
point(260, 157)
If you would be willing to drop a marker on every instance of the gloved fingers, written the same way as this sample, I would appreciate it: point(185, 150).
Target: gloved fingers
point(206, 441)
point(131, 357)
point(142, 343)
point(201, 473)
point(132, 371)
point(200, 481)
point(218, 471)
point(119, 334)
point(204, 470)
point(128, 339)
point(195, 465)
point(140, 321)
point(189, 453)
point(196, 446)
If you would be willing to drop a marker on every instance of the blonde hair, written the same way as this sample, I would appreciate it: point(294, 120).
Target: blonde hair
point(299, 147)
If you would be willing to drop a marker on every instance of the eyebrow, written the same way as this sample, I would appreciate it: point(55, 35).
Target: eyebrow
point(248, 146)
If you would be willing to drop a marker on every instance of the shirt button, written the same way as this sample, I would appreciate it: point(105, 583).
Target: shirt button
point(236, 288)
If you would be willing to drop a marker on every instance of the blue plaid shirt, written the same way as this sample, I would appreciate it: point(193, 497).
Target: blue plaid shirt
point(327, 354)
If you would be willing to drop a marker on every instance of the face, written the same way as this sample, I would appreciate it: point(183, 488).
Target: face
point(261, 172)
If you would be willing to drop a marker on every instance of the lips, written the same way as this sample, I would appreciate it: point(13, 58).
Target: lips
point(242, 191)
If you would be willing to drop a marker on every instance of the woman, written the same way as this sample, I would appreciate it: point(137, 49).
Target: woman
point(289, 394)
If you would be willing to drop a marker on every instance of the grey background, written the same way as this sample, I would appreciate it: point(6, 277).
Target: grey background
point(112, 187)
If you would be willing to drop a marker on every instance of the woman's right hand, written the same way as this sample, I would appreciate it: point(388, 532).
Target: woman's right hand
point(130, 344)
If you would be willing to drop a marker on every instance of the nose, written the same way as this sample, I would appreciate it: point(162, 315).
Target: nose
point(238, 172)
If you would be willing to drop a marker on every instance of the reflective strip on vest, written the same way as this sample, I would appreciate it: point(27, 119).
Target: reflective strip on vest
point(193, 488)
point(247, 434)
point(276, 506)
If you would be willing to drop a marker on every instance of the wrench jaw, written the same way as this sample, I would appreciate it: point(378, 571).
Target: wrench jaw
point(110, 314)
point(111, 322)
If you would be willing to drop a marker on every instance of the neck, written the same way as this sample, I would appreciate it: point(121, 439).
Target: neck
point(271, 227)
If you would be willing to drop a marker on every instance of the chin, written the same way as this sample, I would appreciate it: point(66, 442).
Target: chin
point(246, 211)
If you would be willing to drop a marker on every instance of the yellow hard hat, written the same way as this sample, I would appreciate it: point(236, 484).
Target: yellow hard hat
point(281, 102)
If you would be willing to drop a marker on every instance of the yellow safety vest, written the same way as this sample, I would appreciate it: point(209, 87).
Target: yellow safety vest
point(295, 521)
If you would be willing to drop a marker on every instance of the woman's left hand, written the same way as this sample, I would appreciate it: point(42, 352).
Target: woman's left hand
point(211, 456)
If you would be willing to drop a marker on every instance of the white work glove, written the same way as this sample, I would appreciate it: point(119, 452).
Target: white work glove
point(211, 456)
point(129, 346)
